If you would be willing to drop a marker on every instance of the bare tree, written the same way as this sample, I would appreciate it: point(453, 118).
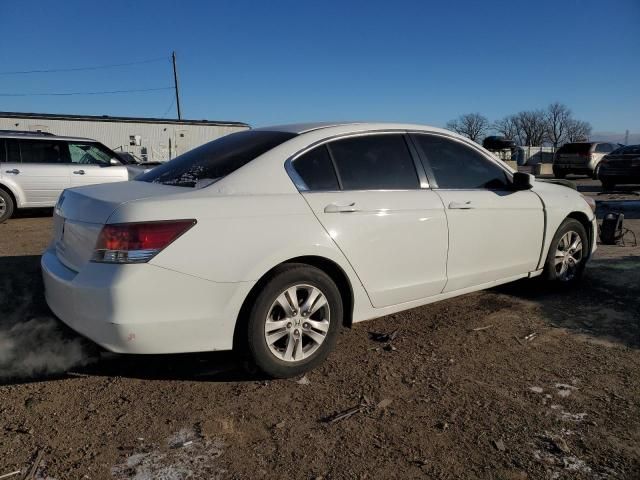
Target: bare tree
point(472, 125)
point(558, 118)
point(508, 127)
point(578, 131)
point(533, 127)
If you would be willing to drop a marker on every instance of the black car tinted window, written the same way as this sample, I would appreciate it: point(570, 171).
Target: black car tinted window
point(374, 162)
point(457, 166)
point(603, 148)
point(316, 170)
point(214, 160)
point(3, 151)
point(43, 151)
point(13, 152)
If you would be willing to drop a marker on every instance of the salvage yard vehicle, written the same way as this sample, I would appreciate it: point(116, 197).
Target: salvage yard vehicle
point(622, 166)
point(582, 158)
point(268, 241)
point(36, 167)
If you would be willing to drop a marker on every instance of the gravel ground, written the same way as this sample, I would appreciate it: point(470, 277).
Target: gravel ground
point(512, 383)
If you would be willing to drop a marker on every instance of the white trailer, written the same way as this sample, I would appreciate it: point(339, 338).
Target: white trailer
point(150, 139)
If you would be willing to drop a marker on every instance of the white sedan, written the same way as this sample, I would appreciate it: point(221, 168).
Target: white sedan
point(268, 241)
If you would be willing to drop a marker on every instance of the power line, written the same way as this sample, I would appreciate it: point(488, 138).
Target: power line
point(64, 94)
point(78, 69)
point(173, 100)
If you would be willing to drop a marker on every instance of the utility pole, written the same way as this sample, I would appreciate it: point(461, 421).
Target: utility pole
point(175, 83)
point(626, 137)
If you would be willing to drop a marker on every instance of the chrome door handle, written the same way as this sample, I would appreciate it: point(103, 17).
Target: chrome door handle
point(15, 171)
point(336, 208)
point(79, 172)
point(461, 205)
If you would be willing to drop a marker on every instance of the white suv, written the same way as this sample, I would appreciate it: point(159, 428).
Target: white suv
point(36, 167)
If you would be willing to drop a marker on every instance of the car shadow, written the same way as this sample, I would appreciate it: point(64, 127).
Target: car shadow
point(605, 305)
point(33, 212)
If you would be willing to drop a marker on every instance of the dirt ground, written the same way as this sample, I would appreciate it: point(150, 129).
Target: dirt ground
point(511, 383)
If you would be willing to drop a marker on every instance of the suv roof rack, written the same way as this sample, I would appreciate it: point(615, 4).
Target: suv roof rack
point(26, 133)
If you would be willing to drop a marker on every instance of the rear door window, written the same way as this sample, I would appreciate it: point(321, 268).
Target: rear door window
point(44, 151)
point(214, 160)
point(456, 166)
point(374, 162)
point(316, 170)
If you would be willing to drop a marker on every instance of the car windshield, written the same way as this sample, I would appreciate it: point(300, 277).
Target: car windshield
point(575, 148)
point(212, 161)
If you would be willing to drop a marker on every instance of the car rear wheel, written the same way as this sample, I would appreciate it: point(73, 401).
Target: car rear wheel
point(568, 254)
point(294, 321)
point(6, 206)
point(558, 173)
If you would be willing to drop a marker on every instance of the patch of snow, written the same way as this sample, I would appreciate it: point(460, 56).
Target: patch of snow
point(189, 457)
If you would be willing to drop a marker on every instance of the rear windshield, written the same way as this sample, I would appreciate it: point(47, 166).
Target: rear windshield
point(214, 160)
point(575, 148)
point(628, 150)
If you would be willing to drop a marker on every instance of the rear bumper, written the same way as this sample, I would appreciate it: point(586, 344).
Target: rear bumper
point(143, 308)
point(573, 168)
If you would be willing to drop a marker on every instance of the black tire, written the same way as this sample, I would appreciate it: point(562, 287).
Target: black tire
point(608, 185)
point(6, 206)
point(285, 277)
point(558, 173)
point(551, 269)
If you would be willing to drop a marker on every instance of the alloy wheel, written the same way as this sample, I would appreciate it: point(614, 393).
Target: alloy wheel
point(3, 207)
point(568, 256)
point(297, 323)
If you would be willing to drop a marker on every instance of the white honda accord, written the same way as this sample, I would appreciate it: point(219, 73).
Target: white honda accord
point(269, 241)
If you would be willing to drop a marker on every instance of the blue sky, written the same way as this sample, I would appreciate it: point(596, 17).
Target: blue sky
point(286, 61)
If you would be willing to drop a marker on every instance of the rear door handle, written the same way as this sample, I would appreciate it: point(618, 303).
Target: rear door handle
point(461, 205)
point(79, 172)
point(337, 208)
point(15, 171)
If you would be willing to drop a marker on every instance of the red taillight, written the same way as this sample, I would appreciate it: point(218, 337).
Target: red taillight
point(137, 242)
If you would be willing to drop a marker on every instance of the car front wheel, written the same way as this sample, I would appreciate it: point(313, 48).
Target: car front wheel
point(6, 206)
point(568, 254)
point(294, 321)
point(608, 184)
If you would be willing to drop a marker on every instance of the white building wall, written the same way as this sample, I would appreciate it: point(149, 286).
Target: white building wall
point(160, 141)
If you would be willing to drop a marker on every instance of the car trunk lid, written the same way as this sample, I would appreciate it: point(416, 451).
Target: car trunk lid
point(82, 212)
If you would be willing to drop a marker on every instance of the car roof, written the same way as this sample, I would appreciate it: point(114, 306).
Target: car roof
point(41, 136)
point(301, 128)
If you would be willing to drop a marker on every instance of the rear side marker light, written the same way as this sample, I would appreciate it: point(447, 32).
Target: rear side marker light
point(137, 242)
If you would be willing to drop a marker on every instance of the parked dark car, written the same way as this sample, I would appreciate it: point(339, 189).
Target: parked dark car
point(622, 166)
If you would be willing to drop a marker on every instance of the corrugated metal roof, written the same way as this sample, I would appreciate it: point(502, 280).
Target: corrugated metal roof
point(107, 118)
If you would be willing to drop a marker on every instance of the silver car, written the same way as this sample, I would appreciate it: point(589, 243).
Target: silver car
point(36, 167)
point(581, 158)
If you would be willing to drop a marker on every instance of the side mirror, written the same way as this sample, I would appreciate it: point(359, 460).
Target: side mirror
point(113, 161)
point(522, 181)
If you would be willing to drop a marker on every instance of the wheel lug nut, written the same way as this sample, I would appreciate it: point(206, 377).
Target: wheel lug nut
point(305, 325)
point(304, 314)
point(296, 332)
point(289, 325)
